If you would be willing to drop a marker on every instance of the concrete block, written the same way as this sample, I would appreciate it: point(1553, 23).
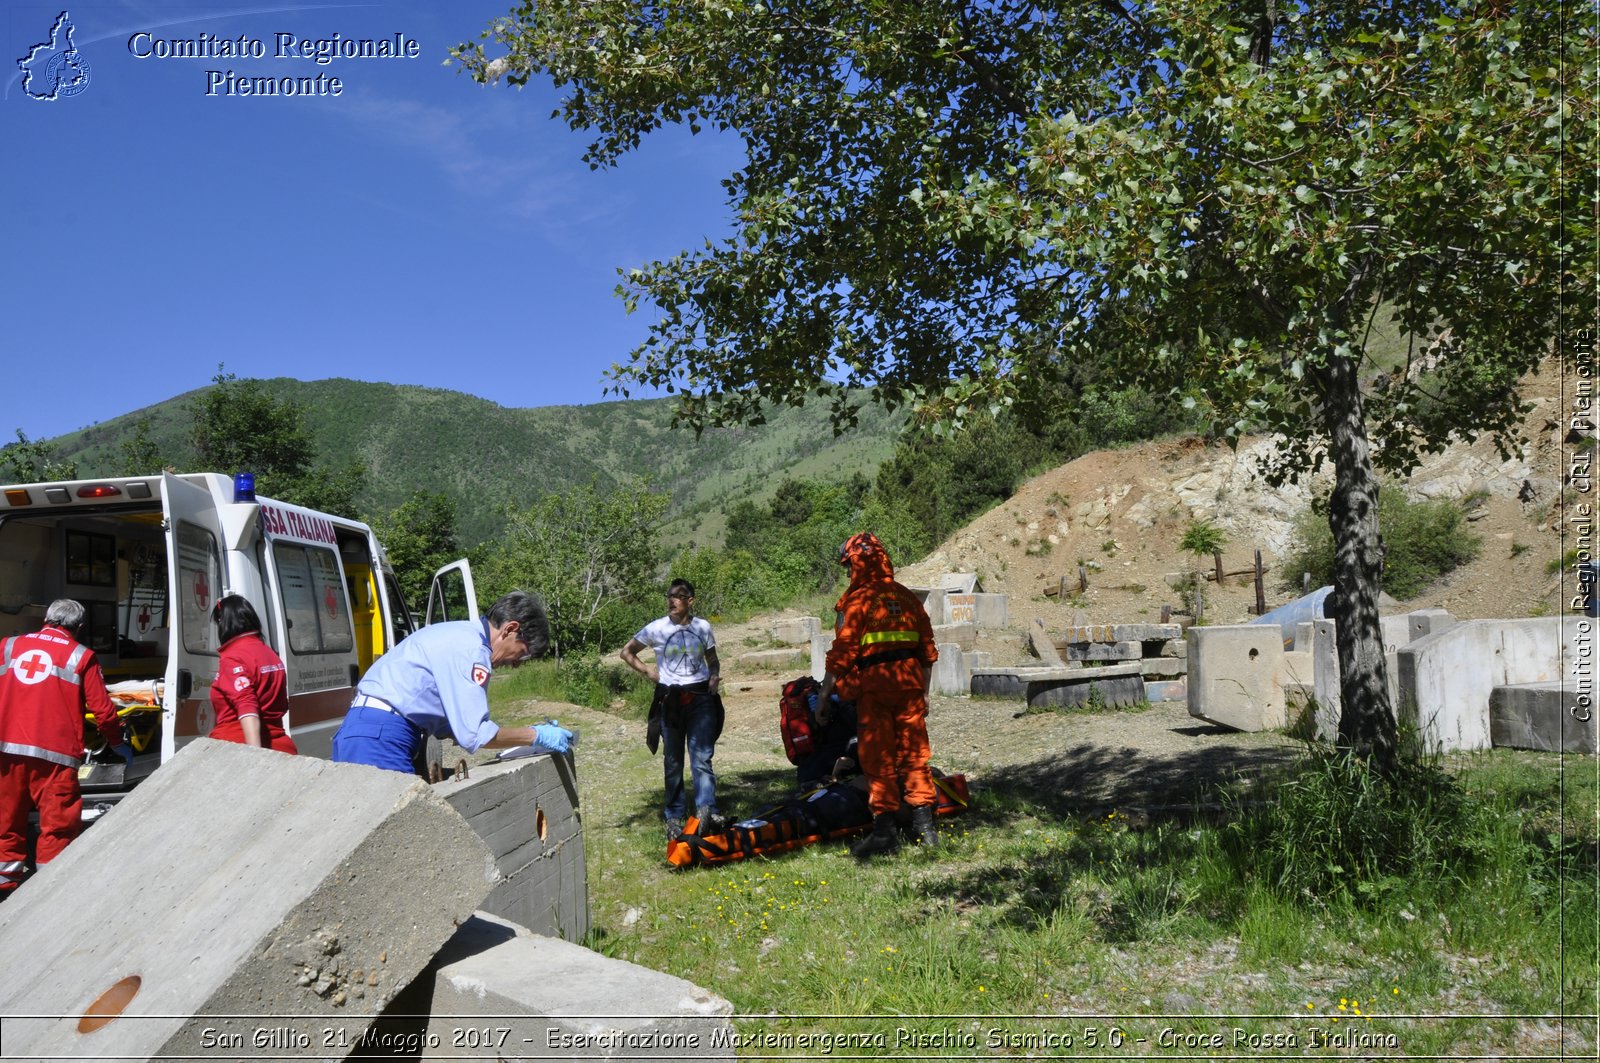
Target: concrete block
point(1166, 690)
point(1429, 621)
point(769, 660)
point(963, 635)
point(1236, 676)
point(795, 630)
point(1041, 645)
point(991, 611)
point(950, 674)
point(1115, 686)
point(1304, 633)
point(819, 654)
point(1178, 647)
point(527, 813)
point(934, 600)
point(1444, 679)
point(1326, 683)
point(1163, 667)
point(961, 609)
point(1396, 631)
point(498, 992)
point(1122, 633)
point(1555, 717)
point(237, 890)
point(1103, 651)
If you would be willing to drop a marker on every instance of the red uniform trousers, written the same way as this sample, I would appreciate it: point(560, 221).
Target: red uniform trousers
point(892, 736)
point(26, 784)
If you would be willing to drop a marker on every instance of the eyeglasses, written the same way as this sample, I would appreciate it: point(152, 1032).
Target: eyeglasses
point(678, 597)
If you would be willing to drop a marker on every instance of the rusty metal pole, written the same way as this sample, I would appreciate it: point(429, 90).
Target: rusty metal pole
point(1261, 592)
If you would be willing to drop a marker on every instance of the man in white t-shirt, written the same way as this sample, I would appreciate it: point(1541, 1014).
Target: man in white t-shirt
point(687, 708)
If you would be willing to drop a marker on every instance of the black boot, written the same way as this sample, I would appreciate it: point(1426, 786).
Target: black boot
point(885, 838)
point(922, 825)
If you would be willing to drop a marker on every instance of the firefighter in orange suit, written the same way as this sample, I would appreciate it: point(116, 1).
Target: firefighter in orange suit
point(883, 656)
point(47, 679)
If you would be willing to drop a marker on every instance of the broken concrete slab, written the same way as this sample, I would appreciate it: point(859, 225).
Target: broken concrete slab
point(1042, 646)
point(527, 812)
point(1104, 651)
point(236, 883)
point(964, 635)
point(1236, 675)
point(498, 992)
point(1554, 717)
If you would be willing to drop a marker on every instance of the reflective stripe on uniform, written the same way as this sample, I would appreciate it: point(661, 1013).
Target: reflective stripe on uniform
point(40, 753)
point(873, 637)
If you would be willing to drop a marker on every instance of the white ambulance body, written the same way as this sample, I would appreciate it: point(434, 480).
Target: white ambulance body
point(148, 556)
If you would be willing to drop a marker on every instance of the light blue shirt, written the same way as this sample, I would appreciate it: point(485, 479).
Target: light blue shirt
point(439, 678)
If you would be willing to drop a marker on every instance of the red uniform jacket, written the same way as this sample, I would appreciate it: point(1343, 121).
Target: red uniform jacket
point(250, 682)
point(47, 679)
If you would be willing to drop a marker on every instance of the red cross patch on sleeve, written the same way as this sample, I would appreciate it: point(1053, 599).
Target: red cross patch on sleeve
point(480, 675)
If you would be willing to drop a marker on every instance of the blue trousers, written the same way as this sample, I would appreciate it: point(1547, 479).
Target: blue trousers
point(377, 738)
point(701, 726)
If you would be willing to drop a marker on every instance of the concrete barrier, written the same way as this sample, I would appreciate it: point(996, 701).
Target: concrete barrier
point(1236, 676)
point(498, 992)
point(1445, 678)
point(527, 813)
point(237, 892)
point(1551, 717)
point(795, 630)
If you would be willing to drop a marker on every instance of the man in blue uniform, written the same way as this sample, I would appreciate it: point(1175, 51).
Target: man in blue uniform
point(435, 682)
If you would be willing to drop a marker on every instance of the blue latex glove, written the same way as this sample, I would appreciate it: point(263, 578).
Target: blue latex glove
point(125, 751)
point(553, 737)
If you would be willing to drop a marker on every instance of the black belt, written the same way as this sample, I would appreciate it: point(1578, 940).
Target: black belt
point(889, 657)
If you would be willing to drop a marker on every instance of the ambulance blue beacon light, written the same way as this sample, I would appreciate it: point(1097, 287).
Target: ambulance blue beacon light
point(244, 487)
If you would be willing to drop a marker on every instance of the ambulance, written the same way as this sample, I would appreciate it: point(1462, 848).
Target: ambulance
point(148, 556)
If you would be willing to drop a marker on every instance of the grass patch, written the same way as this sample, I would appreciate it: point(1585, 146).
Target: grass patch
point(1318, 906)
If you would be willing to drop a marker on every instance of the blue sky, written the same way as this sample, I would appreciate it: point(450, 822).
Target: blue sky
point(418, 228)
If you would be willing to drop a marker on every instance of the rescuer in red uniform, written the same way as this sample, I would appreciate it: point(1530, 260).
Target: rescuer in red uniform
point(47, 680)
point(883, 655)
point(249, 693)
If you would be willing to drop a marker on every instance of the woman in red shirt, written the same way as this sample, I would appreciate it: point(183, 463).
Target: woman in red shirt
point(248, 695)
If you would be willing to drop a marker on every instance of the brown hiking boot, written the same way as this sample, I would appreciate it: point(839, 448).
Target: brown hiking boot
point(885, 838)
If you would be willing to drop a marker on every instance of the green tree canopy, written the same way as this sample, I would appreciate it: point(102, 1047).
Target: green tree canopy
point(590, 553)
point(240, 427)
point(420, 538)
point(947, 201)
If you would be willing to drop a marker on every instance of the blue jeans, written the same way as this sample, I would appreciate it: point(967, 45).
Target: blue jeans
point(702, 726)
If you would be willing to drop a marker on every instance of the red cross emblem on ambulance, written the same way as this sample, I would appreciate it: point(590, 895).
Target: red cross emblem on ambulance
point(202, 590)
point(144, 618)
point(331, 602)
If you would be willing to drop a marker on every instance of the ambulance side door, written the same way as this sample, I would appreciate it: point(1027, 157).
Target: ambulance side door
point(453, 595)
point(194, 576)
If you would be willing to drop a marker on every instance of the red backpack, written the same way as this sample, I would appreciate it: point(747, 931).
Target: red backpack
point(794, 718)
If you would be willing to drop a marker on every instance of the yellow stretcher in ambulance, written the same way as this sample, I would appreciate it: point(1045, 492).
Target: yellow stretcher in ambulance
point(148, 556)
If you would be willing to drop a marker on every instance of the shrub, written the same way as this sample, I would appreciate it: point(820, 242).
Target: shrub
point(1422, 541)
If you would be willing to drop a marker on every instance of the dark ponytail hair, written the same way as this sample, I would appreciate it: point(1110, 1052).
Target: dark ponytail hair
point(234, 616)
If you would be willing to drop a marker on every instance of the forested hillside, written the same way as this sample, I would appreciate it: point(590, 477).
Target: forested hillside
point(484, 455)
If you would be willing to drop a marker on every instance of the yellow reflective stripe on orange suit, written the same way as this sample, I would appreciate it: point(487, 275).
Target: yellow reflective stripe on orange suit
point(872, 637)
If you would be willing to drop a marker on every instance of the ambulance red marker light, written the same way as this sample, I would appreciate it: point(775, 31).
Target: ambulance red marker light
point(99, 491)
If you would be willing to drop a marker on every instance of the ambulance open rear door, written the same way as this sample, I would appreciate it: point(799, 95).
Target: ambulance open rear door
point(194, 577)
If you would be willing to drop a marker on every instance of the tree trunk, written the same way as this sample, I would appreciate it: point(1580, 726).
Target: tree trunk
point(1367, 722)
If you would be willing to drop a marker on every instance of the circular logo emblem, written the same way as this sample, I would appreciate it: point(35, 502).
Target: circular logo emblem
point(32, 667)
point(67, 73)
point(480, 675)
point(205, 719)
